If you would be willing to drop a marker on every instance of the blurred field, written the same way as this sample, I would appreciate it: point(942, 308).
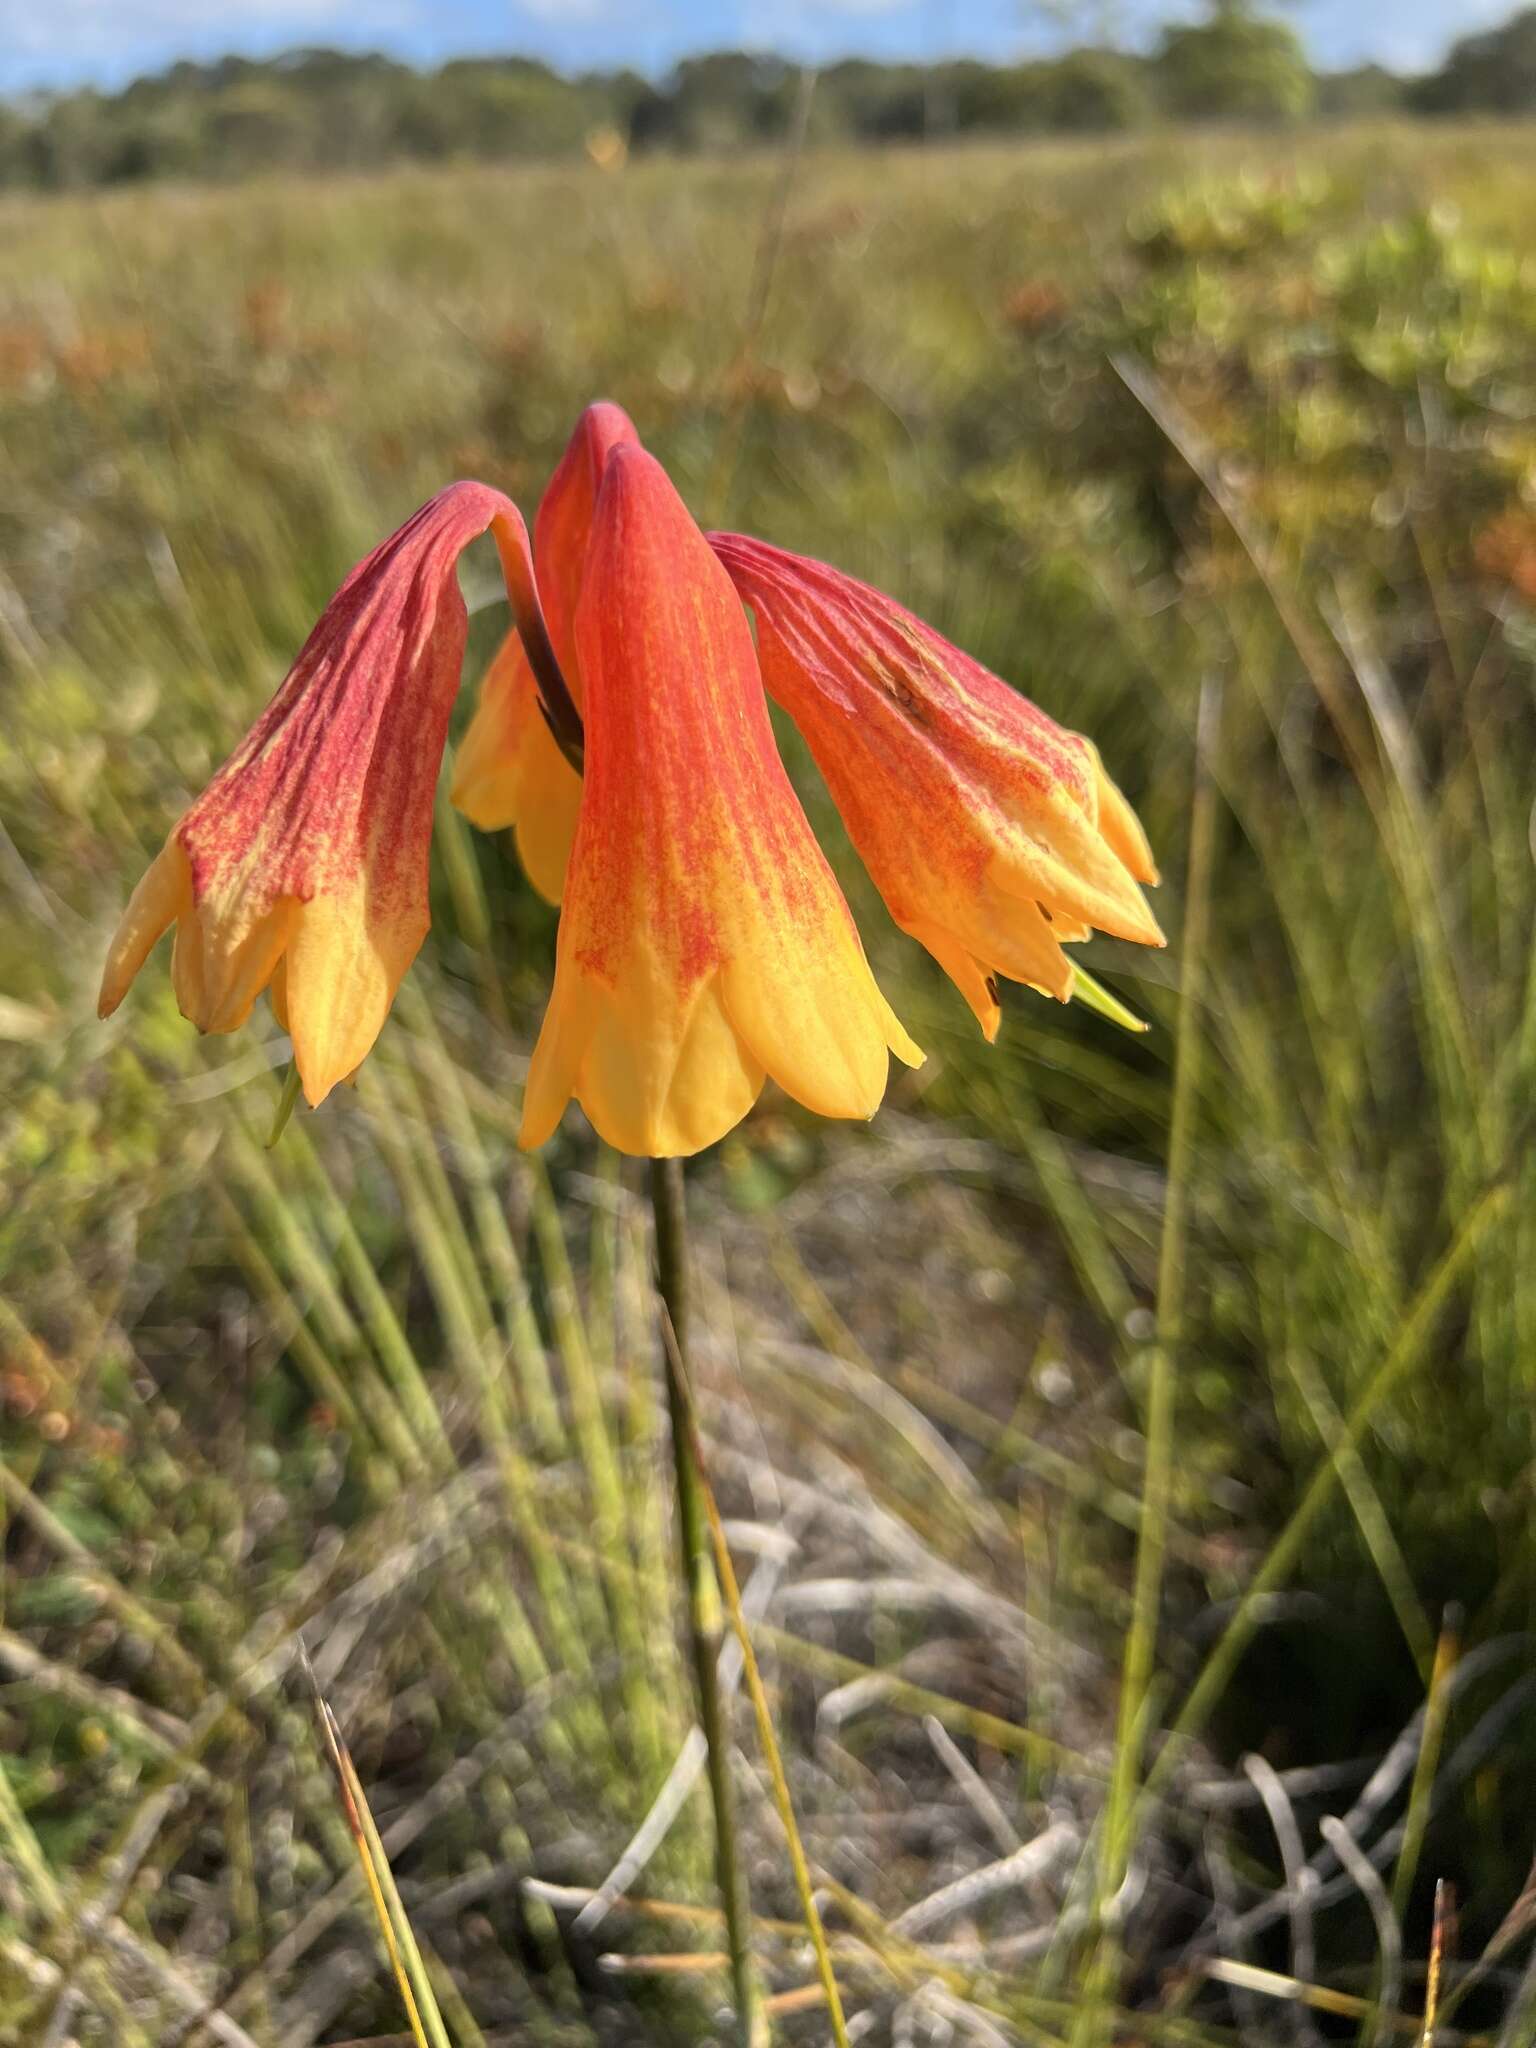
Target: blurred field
point(1252, 421)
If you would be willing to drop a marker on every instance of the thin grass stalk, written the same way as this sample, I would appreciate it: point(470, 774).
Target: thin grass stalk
point(1366, 1505)
point(1437, 1706)
point(24, 1853)
point(284, 1220)
point(1413, 1332)
point(1117, 1838)
point(1082, 1229)
point(526, 1355)
point(438, 1233)
point(681, 1400)
point(643, 1724)
point(704, 1627)
point(590, 1423)
point(397, 1359)
point(614, 1607)
point(416, 1994)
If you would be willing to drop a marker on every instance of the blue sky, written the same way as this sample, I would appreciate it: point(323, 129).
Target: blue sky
point(67, 42)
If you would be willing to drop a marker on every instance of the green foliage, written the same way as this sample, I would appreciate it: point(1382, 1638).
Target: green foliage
point(1237, 66)
point(1493, 72)
point(1369, 89)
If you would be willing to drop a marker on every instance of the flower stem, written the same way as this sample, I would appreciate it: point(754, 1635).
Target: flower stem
point(683, 1400)
point(555, 699)
point(704, 1618)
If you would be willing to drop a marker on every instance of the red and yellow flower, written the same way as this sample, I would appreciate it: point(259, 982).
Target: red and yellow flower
point(303, 865)
point(704, 946)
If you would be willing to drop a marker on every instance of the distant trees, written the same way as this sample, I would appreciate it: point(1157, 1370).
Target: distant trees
point(1491, 73)
point(319, 110)
point(1237, 66)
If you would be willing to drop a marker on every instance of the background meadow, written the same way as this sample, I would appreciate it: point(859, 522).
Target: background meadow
point(1224, 450)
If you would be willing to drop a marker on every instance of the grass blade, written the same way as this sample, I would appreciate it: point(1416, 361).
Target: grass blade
point(405, 1959)
point(683, 1408)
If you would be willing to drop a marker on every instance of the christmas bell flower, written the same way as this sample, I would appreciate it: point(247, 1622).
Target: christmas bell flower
point(509, 771)
point(704, 945)
point(302, 867)
point(994, 835)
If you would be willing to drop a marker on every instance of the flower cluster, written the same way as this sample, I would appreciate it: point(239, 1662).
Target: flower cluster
point(623, 733)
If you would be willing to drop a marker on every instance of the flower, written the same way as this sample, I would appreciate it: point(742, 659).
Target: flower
point(303, 866)
point(509, 770)
point(704, 944)
point(994, 835)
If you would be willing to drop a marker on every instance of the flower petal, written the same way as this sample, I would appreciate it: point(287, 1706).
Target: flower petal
point(341, 973)
point(973, 811)
point(306, 856)
point(661, 1092)
point(703, 941)
point(509, 771)
point(563, 524)
point(220, 965)
point(1120, 825)
point(164, 893)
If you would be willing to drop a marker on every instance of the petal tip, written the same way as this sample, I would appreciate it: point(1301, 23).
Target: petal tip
point(163, 895)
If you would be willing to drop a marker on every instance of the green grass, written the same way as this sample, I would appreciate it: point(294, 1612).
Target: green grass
point(1036, 1382)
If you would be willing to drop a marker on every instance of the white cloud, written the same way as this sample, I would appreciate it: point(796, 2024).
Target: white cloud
point(97, 31)
point(577, 13)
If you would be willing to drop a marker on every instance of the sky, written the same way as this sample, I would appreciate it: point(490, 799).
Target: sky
point(58, 43)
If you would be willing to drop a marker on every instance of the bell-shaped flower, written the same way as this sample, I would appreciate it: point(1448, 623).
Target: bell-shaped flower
point(993, 834)
point(508, 770)
point(303, 865)
point(704, 944)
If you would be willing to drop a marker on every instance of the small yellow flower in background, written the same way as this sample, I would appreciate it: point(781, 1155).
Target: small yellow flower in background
point(704, 944)
point(993, 835)
point(303, 865)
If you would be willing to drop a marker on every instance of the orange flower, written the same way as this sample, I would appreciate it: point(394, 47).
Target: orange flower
point(303, 865)
point(509, 771)
point(994, 835)
point(704, 944)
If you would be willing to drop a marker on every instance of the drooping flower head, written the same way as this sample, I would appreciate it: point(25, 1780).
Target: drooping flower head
point(704, 944)
point(993, 834)
point(303, 865)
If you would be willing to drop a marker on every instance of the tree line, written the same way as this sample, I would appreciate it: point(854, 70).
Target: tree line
point(316, 109)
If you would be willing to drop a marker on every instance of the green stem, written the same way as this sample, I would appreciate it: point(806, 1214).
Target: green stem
point(669, 1209)
point(1162, 1379)
point(1122, 1809)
